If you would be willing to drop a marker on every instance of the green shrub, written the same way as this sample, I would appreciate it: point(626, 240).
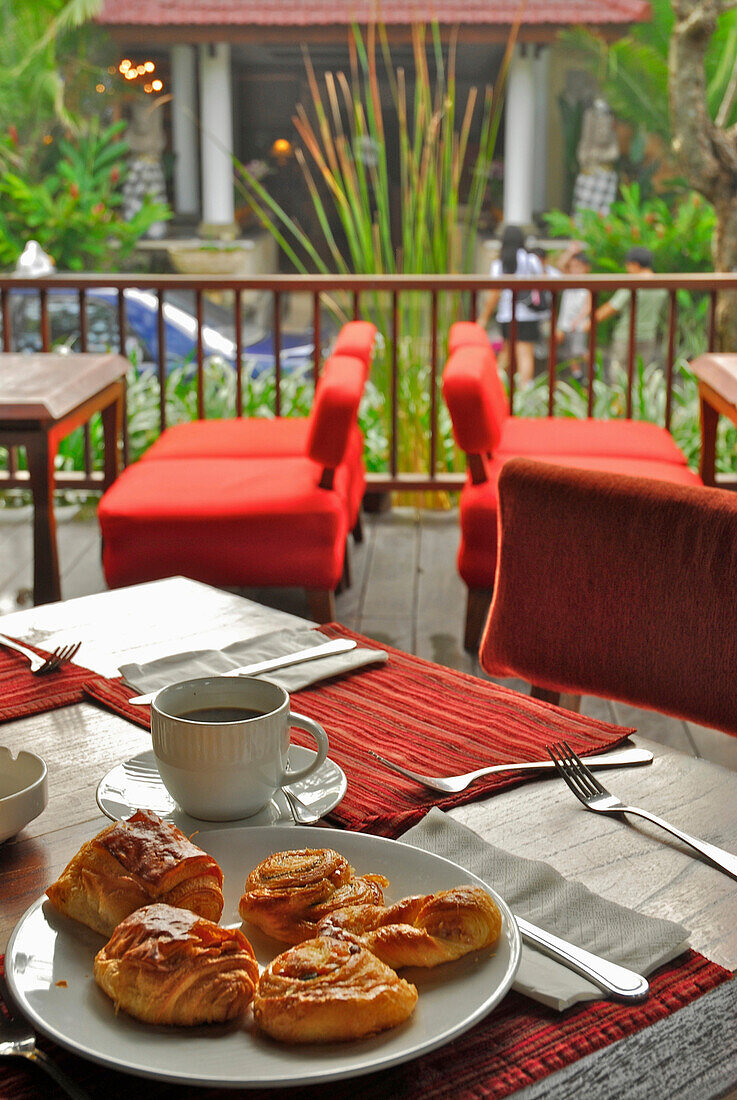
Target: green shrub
point(73, 209)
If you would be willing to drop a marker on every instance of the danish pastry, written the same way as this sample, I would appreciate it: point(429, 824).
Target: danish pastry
point(425, 930)
point(288, 893)
point(328, 990)
point(132, 863)
point(168, 966)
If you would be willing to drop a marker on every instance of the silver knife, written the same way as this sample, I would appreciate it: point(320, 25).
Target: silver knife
point(617, 981)
point(338, 645)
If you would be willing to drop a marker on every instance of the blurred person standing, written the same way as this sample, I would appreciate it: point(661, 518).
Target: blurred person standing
point(650, 306)
point(574, 317)
point(514, 259)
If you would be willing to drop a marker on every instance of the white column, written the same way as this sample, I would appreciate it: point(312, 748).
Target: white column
point(216, 143)
point(519, 139)
point(541, 75)
point(184, 129)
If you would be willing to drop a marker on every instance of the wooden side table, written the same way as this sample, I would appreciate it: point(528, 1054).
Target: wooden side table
point(44, 397)
point(717, 378)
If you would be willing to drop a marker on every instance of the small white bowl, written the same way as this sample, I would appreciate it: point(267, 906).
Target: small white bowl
point(23, 790)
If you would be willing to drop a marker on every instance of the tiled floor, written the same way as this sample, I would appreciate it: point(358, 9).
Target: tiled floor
point(405, 592)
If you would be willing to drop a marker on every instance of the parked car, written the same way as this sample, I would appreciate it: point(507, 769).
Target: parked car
point(141, 308)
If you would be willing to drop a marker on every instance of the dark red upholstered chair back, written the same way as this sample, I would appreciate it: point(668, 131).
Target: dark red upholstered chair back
point(335, 409)
point(475, 397)
point(357, 338)
point(616, 586)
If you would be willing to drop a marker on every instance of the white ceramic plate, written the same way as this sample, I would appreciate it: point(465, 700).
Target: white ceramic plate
point(47, 949)
point(136, 784)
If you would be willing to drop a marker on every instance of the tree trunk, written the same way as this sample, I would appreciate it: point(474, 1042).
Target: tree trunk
point(724, 253)
point(706, 153)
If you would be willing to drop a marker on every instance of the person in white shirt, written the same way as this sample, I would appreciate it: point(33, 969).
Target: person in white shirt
point(574, 316)
point(515, 260)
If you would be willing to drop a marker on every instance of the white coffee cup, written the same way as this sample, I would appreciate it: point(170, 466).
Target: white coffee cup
point(217, 765)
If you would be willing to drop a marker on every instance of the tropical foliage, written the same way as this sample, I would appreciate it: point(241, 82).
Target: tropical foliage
point(73, 208)
point(678, 232)
point(62, 168)
point(632, 71)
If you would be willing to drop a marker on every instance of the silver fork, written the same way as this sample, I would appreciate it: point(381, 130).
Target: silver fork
point(17, 1038)
point(594, 796)
point(453, 784)
point(41, 665)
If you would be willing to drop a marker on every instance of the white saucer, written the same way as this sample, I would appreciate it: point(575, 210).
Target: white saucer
point(136, 784)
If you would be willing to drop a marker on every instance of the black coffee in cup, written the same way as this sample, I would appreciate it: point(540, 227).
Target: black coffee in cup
point(220, 714)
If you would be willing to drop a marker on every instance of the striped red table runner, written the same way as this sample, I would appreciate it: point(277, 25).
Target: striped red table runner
point(22, 693)
point(519, 1043)
point(430, 718)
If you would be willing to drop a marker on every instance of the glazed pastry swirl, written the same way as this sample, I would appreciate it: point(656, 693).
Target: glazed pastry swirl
point(423, 930)
point(168, 966)
point(327, 990)
point(133, 863)
point(288, 893)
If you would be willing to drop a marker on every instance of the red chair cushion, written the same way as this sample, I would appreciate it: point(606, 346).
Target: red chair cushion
point(463, 333)
point(245, 437)
point(236, 522)
point(479, 506)
point(617, 586)
point(357, 338)
point(550, 436)
point(476, 398)
point(257, 437)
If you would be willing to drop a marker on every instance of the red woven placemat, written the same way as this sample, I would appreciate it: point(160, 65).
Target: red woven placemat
point(22, 693)
point(430, 718)
point(520, 1042)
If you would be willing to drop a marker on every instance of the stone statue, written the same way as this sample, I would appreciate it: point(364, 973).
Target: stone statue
point(598, 149)
point(145, 137)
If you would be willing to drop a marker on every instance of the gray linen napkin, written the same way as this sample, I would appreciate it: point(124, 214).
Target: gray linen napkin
point(207, 662)
point(536, 891)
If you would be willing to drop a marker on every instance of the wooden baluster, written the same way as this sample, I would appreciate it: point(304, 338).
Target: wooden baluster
point(316, 336)
point(82, 302)
point(200, 358)
point(45, 325)
point(593, 331)
point(672, 321)
point(277, 353)
point(161, 361)
point(394, 384)
point(433, 381)
point(122, 328)
point(238, 320)
point(552, 353)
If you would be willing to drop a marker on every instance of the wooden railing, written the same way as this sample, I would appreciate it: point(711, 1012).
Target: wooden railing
point(360, 293)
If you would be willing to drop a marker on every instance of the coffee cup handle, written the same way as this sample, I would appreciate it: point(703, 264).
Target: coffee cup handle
point(314, 728)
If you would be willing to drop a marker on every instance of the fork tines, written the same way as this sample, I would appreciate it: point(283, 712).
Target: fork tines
point(61, 656)
point(572, 769)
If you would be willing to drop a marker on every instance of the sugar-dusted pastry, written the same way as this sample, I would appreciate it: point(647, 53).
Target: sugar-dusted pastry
point(421, 931)
point(327, 990)
point(168, 966)
point(288, 893)
point(133, 863)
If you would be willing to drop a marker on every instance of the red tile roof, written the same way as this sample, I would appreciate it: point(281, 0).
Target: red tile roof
point(288, 13)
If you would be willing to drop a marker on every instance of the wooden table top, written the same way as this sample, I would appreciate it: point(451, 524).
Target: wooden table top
point(634, 864)
point(46, 387)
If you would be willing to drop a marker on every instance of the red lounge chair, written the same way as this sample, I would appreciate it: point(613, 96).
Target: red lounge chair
point(484, 429)
point(267, 437)
point(616, 586)
point(244, 521)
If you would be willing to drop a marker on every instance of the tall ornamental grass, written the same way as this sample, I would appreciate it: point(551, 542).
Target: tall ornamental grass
point(441, 189)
